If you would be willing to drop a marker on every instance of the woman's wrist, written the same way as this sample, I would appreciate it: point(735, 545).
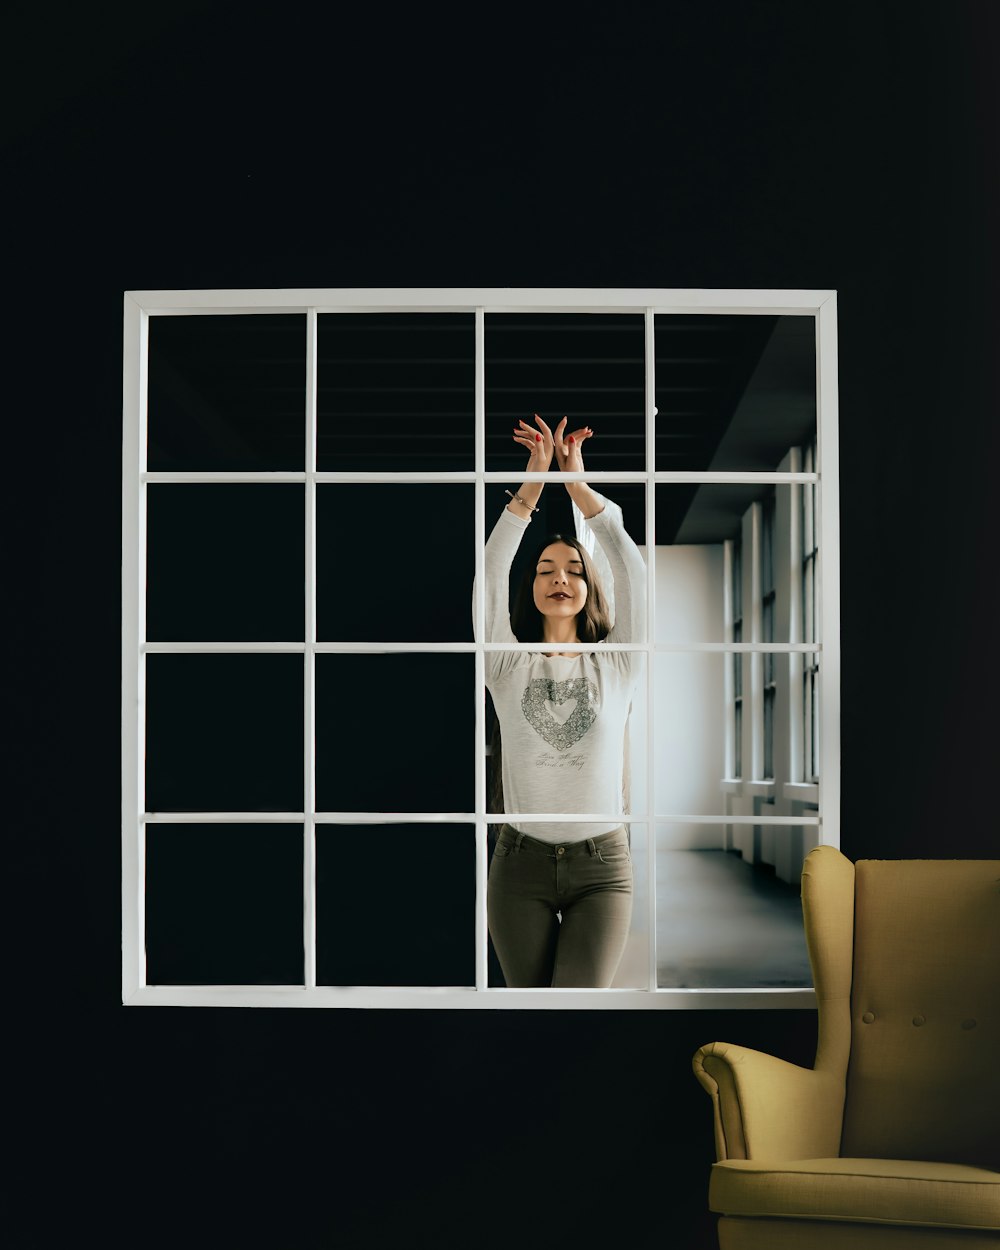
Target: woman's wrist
point(521, 504)
point(589, 503)
point(524, 501)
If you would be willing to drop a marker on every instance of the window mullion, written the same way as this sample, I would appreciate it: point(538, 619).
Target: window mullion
point(795, 632)
point(827, 570)
point(479, 608)
point(728, 681)
point(309, 667)
point(134, 462)
point(756, 660)
point(650, 640)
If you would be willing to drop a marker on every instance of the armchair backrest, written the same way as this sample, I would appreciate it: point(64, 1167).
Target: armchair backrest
point(923, 1077)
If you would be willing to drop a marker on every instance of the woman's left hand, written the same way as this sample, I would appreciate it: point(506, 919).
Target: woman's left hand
point(569, 454)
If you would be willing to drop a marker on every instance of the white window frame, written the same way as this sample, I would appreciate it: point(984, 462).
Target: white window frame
point(768, 600)
point(809, 562)
point(139, 306)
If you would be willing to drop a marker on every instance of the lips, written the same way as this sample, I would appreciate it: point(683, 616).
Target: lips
point(559, 595)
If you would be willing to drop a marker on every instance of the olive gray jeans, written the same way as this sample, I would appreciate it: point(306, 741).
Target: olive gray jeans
point(589, 882)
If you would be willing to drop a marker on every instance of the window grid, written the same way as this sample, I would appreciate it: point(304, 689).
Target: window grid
point(138, 307)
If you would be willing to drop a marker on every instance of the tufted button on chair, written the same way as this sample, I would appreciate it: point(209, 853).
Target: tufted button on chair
point(892, 1138)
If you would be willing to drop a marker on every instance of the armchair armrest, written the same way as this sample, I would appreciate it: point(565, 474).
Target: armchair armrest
point(767, 1108)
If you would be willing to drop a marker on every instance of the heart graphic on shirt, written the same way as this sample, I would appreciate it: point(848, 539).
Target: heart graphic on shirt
point(560, 711)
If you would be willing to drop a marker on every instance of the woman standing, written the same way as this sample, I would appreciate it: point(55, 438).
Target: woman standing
point(559, 896)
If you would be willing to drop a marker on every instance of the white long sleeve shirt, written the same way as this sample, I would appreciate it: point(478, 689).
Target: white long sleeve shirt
point(562, 718)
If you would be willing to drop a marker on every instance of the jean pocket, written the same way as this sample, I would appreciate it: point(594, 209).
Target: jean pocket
point(614, 853)
point(502, 849)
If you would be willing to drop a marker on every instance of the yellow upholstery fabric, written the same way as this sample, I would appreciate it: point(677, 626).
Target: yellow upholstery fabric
point(766, 1234)
point(768, 1108)
point(878, 1191)
point(924, 1074)
point(892, 1139)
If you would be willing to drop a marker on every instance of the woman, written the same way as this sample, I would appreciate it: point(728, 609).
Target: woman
point(559, 896)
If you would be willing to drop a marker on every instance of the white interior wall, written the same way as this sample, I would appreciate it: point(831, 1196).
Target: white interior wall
point(690, 721)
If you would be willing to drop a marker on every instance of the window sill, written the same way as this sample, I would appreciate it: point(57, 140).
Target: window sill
point(801, 791)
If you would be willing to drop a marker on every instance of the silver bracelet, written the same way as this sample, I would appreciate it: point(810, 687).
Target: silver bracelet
point(523, 502)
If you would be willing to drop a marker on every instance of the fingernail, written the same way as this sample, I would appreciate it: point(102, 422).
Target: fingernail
point(538, 438)
point(571, 439)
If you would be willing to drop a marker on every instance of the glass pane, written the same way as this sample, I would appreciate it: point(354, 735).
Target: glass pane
point(573, 741)
point(224, 904)
point(692, 525)
point(226, 563)
point(224, 733)
point(694, 713)
point(394, 563)
point(588, 367)
point(412, 921)
point(555, 513)
point(396, 391)
point(722, 921)
point(631, 970)
point(733, 392)
point(395, 733)
point(227, 393)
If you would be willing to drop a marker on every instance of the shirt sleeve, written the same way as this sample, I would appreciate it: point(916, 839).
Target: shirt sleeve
point(628, 569)
point(501, 547)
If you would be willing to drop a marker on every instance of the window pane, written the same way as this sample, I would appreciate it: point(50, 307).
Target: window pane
point(721, 921)
point(692, 524)
point(395, 733)
point(733, 392)
point(226, 563)
point(224, 733)
point(396, 391)
point(394, 563)
point(227, 393)
point(589, 368)
point(690, 733)
point(395, 904)
point(693, 719)
point(224, 904)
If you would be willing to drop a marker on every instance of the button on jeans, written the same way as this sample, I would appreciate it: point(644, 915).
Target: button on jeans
point(588, 882)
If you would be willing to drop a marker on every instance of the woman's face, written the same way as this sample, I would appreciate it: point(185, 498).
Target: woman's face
point(560, 589)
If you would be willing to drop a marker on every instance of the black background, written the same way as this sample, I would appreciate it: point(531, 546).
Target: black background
point(849, 146)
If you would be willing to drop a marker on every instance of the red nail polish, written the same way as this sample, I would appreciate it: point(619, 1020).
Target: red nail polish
point(571, 439)
point(538, 438)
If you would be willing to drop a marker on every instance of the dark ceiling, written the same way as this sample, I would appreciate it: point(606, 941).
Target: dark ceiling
point(396, 393)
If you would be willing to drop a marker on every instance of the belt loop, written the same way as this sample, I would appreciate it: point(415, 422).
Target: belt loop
point(519, 839)
point(591, 846)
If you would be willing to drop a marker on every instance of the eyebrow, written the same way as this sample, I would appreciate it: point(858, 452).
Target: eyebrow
point(548, 561)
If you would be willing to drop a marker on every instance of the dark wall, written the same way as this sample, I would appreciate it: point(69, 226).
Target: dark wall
point(847, 146)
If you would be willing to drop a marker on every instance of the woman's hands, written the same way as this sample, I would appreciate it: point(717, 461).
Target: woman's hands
point(543, 444)
point(569, 447)
point(539, 443)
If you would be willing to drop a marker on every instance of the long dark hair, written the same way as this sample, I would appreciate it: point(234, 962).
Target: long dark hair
point(593, 623)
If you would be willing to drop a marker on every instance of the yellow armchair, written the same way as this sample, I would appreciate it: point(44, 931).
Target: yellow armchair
point(892, 1138)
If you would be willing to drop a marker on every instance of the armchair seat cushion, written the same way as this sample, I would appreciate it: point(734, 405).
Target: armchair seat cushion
point(880, 1191)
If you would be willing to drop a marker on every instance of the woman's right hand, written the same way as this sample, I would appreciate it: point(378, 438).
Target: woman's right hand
point(539, 443)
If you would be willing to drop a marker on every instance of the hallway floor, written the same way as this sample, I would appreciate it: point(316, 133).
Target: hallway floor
point(722, 924)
